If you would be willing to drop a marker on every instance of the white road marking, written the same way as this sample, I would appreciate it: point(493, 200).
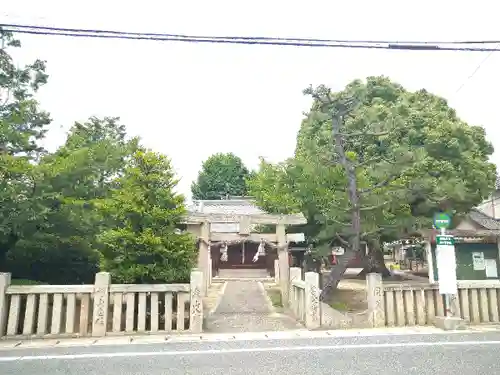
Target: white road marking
point(246, 350)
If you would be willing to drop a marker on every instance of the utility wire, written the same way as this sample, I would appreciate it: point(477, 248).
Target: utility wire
point(259, 38)
point(475, 70)
point(103, 34)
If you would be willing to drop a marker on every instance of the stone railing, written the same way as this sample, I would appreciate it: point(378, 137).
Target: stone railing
point(100, 309)
point(394, 304)
point(304, 297)
point(406, 304)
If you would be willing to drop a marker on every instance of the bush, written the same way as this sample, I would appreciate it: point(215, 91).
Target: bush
point(50, 259)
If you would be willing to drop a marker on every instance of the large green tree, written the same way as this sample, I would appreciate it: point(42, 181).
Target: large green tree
point(221, 175)
point(144, 244)
point(22, 125)
point(65, 215)
point(62, 235)
point(411, 156)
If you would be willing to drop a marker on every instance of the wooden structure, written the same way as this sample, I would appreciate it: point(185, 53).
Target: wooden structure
point(236, 223)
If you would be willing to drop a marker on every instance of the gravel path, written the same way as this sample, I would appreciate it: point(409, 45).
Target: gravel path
point(244, 307)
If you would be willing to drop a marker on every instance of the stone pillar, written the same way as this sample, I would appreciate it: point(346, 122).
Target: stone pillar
point(313, 312)
point(284, 268)
point(430, 261)
point(375, 298)
point(295, 274)
point(101, 304)
point(4, 306)
point(196, 303)
point(203, 255)
point(209, 268)
point(277, 271)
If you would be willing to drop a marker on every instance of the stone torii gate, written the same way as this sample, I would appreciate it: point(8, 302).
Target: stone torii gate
point(199, 224)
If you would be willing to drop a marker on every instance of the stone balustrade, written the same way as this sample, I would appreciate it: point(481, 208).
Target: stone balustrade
point(101, 309)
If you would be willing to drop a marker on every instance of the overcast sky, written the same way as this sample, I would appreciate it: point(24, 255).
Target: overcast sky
point(191, 100)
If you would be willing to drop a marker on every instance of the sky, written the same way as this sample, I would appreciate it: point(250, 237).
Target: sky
point(190, 100)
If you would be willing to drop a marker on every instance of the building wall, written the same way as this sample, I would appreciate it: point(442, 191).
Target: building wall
point(491, 206)
point(468, 224)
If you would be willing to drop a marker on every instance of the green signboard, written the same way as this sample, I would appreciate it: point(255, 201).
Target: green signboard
point(445, 240)
point(442, 220)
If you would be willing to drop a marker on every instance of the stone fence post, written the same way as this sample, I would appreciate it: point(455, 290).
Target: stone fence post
point(375, 298)
point(295, 274)
point(101, 304)
point(196, 304)
point(209, 270)
point(277, 271)
point(4, 306)
point(312, 306)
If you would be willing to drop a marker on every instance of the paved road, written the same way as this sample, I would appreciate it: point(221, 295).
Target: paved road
point(464, 354)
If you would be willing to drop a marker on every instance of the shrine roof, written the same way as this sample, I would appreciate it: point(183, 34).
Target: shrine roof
point(231, 210)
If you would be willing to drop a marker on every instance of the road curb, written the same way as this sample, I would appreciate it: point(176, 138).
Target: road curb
point(217, 337)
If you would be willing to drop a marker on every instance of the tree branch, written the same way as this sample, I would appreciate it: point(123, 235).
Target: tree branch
point(370, 208)
point(369, 233)
point(342, 241)
point(340, 222)
point(383, 183)
point(368, 161)
point(360, 134)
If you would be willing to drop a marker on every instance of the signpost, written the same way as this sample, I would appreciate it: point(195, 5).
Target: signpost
point(446, 260)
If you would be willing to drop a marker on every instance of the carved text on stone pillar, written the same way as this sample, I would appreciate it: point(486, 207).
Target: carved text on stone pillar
point(314, 301)
point(196, 301)
point(101, 302)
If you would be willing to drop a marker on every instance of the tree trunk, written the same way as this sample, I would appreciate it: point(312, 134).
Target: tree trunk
point(374, 260)
point(336, 272)
point(353, 246)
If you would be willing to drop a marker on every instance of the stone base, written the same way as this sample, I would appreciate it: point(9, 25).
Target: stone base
point(449, 323)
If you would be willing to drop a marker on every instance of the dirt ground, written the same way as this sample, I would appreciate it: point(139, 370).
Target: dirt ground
point(350, 296)
point(212, 297)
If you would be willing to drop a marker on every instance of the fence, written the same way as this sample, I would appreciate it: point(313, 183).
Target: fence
point(394, 305)
point(304, 297)
point(100, 309)
point(400, 305)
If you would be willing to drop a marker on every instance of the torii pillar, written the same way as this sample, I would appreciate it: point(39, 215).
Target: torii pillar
point(284, 267)
point(204, 255)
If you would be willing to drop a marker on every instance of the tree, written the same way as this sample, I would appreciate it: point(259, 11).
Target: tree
point(221, 175)
point(22, 125)
point(411, 154)
point(63, 233)
point(382, 173)
point(144, 245)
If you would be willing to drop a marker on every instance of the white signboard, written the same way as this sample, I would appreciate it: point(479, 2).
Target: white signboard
point(446, 265)
point(478, 262)
point(491, 268)
point(295, 237)
point(225, 227)
point(338, 251)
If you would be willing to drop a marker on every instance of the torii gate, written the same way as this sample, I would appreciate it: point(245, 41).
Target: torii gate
point(199, 224)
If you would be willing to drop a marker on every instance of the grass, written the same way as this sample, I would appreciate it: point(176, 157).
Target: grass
point(348, 300)
point(275, 297)
point(26, 282)
point(339, 305)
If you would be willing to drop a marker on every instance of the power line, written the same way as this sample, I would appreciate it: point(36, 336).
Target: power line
point(259, 38)
point(298, 42)
point(475, 70)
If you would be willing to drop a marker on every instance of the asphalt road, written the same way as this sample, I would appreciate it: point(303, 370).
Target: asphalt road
point(464, 354)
